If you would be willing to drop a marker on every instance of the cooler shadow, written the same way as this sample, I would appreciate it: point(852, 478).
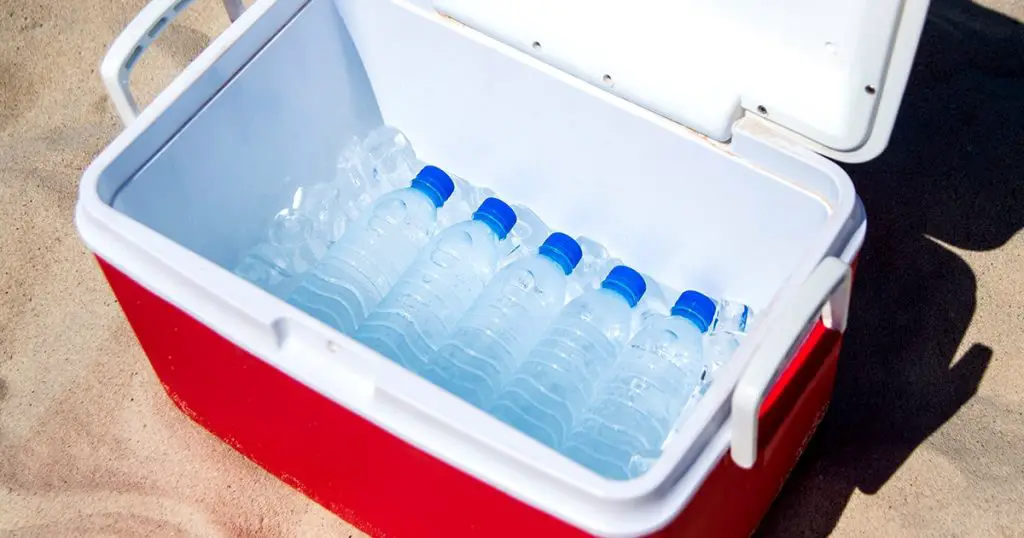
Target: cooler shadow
point(954, 174)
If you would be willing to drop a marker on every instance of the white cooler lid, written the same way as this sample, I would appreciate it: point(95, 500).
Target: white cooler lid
point(827, 74)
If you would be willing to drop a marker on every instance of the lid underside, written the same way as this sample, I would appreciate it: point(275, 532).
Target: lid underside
point(824, 73)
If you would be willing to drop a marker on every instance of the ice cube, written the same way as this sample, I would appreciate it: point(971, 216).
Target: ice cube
point(290, 228)
point(593, 267)
point(654, 305)
point(641, 463)
point(456, 208)
point(264, 265)
point(322, 204)
point(462, 203)
point(352, 207)
point(391, 158)
point(718, 349)
point(353, 167)
point(526, 236)
point(292, 235)
point(732, 317)
point(379, 163)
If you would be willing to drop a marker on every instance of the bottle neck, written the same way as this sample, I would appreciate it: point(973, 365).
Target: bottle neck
point(556, 259)
point(492, 224)
point(428, 191)
point(621, 291)
point(611, 292)
point(691, 319)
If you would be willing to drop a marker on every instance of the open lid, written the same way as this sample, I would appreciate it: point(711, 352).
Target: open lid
point(829, 75)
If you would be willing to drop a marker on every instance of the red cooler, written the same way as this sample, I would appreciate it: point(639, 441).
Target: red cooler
point(691, 138)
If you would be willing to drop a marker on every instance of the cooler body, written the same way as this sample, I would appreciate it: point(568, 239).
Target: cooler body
point(387, 487)
point(180, 195)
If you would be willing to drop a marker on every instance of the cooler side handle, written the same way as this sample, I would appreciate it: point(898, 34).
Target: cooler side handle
point(826, 293)
point(125, 51)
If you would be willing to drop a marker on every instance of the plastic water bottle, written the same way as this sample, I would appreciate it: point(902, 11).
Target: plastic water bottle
point(440, 286)
point(360, 269)
point(512, 312)
point(554, 382)
point(732, 320)
point(637, 405)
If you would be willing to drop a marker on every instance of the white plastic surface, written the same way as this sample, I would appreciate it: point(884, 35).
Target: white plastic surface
point(828, 287)
point(272, 99)
point(827, 72)
point(124, 53)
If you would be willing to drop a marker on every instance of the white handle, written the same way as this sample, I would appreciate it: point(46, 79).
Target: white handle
point(826, 293)
point(125, 51)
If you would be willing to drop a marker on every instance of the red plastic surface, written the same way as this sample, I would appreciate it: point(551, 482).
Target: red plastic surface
point(386, 487)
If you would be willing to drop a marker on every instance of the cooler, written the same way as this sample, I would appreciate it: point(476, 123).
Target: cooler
point(688, 137)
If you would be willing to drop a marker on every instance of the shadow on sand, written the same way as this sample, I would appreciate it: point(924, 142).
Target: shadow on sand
point(954, 174)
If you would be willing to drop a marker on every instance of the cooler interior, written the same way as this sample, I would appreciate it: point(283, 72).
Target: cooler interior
point(273, 112)
point(671, 204)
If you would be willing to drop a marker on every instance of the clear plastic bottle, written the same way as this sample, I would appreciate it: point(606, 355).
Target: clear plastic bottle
point(549, 390)
point(439, 287)
point(360, 269)
point(732, 321)
point(638, 403)
point(512, 312)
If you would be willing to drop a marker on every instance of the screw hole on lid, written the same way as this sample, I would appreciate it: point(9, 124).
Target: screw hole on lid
point(762, 110)
point(607, 79)
point(333, 346)
point(536, 45)
point(870, 89)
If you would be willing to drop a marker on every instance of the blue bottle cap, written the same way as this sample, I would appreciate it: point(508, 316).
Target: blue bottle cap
point(563, 250)
point(696, 307)
point(627, 283)
point(496, 214)
point(435, 183)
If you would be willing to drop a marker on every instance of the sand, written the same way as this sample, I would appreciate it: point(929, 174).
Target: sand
point(924, 436)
